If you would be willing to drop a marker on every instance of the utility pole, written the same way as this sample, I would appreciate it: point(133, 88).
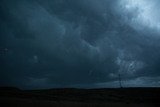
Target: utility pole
point(120, 80)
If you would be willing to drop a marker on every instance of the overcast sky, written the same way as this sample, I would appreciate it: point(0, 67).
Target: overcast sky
point(79, 43)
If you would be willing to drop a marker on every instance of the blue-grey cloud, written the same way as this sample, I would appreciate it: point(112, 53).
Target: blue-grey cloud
point(86, 43)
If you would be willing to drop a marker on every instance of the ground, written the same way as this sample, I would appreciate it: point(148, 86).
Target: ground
point(70, 97)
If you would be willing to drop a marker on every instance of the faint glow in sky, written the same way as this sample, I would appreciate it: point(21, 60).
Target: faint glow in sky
point(148, 13)
point(128, 66)
point(35, 59)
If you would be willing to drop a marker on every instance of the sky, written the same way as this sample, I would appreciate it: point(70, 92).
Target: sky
point(79, 43)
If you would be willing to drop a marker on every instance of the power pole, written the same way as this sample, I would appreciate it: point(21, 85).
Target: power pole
point(120, 80)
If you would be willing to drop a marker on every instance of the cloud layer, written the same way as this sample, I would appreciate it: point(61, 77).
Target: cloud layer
point(82, 43)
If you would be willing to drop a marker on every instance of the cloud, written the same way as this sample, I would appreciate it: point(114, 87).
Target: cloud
point(87, 43)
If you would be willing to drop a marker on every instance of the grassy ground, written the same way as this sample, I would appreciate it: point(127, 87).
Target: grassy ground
point(128, 97)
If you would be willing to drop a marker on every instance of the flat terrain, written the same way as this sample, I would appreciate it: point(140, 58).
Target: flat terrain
point(70, 97)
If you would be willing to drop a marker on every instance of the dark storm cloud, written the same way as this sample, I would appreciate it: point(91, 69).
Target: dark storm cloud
point(68, 43)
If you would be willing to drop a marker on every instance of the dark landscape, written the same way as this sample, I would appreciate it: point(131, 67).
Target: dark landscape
point(72, 97)
point(79, 53)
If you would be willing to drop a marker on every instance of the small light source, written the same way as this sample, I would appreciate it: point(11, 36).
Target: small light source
point(35, 59)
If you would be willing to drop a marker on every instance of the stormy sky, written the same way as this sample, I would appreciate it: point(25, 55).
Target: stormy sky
point(79, 43)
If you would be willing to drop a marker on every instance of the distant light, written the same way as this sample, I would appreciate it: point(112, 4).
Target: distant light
point(35, 59)
point(4, 51)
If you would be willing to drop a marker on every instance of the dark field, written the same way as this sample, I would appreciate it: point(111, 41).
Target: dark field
point(110, 97)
